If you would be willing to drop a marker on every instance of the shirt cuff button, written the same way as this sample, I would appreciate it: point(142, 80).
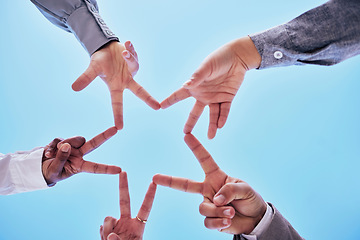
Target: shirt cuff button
point(278, 55)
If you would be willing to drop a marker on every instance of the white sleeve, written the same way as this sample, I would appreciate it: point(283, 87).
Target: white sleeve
point(21, 172)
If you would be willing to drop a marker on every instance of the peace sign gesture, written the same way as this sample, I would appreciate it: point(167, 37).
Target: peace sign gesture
point(127, 228)
point(64, 158)
point(229, 205)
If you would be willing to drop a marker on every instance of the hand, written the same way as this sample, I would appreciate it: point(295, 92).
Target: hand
point(116, 65)
point(127, 228)
point(216, 82)
point(230, 204)
point(64, 158)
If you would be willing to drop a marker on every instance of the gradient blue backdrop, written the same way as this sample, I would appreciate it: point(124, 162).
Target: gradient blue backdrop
point(292, 133)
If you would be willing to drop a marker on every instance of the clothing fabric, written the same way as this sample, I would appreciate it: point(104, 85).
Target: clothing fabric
point(81, 17)
point(278, 229)
point(21, 172)
point(325, 35)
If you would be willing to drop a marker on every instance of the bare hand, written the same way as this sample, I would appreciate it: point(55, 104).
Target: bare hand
point(229, 205)
point(126, 227)
point(64, 158)
point(116, 65)
point(216, 82)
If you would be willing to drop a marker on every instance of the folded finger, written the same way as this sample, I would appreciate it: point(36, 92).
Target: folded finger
point(98, 140)
point(113, 236)
point(214, 117)
point(131, 62)
point(209, 209)
point(109, 224)
point(141, 93)
point(102, 232)
point(62, 156)
point(224, 113)
point(146, 206)
point(130, 47)
point(194, 116)
point(178, 183)
point(217, 223)
point(177, 96)
point(50, 149)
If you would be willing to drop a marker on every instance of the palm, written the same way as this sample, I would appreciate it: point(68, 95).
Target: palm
point(108, 63)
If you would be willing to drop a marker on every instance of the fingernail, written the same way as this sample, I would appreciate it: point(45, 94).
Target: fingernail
point(47, 154)
point(227, 212)
point(220, 199)
point(226, 222)
point(65, 148)
point(187, 83)
point(127, 55)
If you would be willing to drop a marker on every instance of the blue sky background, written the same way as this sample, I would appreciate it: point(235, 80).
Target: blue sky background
point(292, 133)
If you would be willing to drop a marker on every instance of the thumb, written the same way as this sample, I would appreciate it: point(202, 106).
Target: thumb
point(199, 76)
point(85, 79)
point(113, 236)
point(233, 191)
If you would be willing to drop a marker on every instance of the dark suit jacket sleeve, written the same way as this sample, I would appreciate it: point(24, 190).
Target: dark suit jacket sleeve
point(279, 229)
point(325, 35)
point(81, 17)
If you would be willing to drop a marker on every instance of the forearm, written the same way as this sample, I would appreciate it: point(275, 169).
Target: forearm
point(325, 35)
point(21, 172)
point(81, 17)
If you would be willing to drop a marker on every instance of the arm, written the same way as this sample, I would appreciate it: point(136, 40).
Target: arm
point(21, 172)
point(79, 17)
point(113, 62)
point(325, 35)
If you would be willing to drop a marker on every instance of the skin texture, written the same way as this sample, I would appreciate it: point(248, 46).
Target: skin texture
point(216, 82)
point(64, 158)
point(126, 227)
point(116, 64)
point(230, 204)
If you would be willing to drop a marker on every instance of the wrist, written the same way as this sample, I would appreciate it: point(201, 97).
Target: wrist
point(246, 51)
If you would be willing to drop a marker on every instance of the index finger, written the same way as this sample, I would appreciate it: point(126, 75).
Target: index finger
point(182, 184)
point(206, 161)
point(98, 140)
point(124, 196)
point(177, 96)
point(148, 202)
point(141, 93)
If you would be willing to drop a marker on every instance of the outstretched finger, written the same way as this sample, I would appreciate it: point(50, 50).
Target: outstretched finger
point(224, 113)
point(117, 107)
point(206, 161)
point(85, 79)
point(98, 168)
point(148, 202)
point(182, 184)
point(141, 93)
point(177, 96)
point(214, 117)
point(97, 141)
point(124, 196)
point(194, 116)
